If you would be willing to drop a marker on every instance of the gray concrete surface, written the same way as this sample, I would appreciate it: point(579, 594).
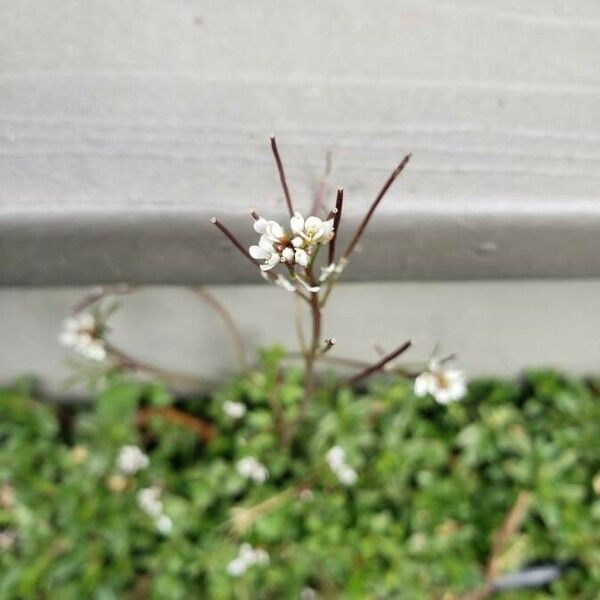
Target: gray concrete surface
point(495, 327)
point(125, 124)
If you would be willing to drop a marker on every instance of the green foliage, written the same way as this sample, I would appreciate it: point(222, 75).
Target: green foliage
point(433, 485)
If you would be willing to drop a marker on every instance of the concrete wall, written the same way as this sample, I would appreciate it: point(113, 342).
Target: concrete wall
point(495, 327)
point(126, 124)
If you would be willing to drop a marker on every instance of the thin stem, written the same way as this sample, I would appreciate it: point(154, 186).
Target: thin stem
point(336, 360)
point(241, 248)
point(282, 178)
point(233, 240)
point(125, 361)
point(377, 200)
point(339, 202)
point(327, 346)
point(323, 185)
point(203, 429)
point(236, 336)
point(379, 364)
point(299, 327)
point(100, 292)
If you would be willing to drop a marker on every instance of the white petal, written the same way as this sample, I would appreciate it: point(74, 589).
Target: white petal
point(260, 225)
point(275, 231)
point(297, 242)
point(236, 567)
point(265, 243)
point(301, 257)
point(258, 253)
point(335, 457)
point(297, 223)
point(313, 223)
point(347, 475)
point(424, 384)
point(86, 321)
point(288, 254)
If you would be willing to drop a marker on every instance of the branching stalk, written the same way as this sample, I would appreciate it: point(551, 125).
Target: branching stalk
point(125, 361)
point(380, 363)
point(378, 198)
point(236, 336)
point(282, 178)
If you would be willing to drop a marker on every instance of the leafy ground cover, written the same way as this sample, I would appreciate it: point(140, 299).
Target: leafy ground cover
point(443, 500)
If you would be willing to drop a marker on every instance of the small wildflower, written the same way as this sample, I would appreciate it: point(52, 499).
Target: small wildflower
point(149, 501)
point(234, 410)
point(116, 483)
point(82, 334)
point(294, 246)
point(236, 567)
point(313, 230)
point(164, 524)
point(347, 475)
point(131, 460)
point(336, 459)
point(247, 557)
point(445, 385)
point(78, 454)
point(253, 469)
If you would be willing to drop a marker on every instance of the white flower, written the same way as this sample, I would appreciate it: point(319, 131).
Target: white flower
point(265, 251)
point(445, 385)
point(234, 410)
point(131, 460)
point(347, 475)
point(313, 230)
point(149, 501)
point(236, 567)
point(80, 333)
point(253, 469)
point(335, 457)
point(164, 524)
point(293, 247)
point(247, 557)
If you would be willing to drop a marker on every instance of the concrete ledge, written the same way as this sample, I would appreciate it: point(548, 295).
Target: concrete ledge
point(407, 240)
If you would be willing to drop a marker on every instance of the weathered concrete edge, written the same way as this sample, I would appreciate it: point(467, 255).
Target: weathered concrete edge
point(417, 241)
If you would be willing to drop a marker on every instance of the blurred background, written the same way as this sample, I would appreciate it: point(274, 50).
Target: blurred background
point(126, 125)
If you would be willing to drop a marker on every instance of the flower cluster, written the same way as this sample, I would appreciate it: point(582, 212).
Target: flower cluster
point(336, 459)
point(131, 459)
point(81, 333)
point(234, 410)
point(445, 385)
point(149, 501)
point(251, 468)
point(247, 557)
point(293, 246)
